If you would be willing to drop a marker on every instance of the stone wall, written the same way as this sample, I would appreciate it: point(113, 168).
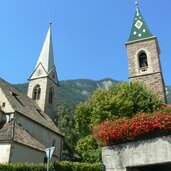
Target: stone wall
point(154, 82)
point(139, 153)
point(152, 74)
point(150, 47)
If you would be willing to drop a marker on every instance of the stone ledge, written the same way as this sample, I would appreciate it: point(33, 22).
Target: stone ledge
point(139, 153)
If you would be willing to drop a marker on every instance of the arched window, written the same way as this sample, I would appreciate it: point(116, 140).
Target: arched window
point(51, 95)
point(143, 63)
point(36, 92)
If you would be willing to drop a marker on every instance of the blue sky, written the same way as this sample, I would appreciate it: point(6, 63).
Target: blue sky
point(88, 36)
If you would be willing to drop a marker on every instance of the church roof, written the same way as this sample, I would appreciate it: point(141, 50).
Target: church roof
point(46, 56)
point(139, 29)
point(14, 132)
point(26, 106)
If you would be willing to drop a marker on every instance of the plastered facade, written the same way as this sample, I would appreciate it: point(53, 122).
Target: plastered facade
point(5, 149)
point(45, 84)
point(43, 134)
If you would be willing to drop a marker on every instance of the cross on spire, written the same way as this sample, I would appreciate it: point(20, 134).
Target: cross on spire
point(50, 23)
point(136, 3)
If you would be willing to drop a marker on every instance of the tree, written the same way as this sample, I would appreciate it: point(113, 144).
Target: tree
point(66, 123)
point(89, 149)
point(121, 100)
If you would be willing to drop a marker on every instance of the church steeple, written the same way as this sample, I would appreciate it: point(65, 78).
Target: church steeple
point(43, 82)
point(139, 29)
point(144, 57)
point(46, 56)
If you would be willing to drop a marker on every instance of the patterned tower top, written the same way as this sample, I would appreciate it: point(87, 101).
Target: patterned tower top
point(140, 29)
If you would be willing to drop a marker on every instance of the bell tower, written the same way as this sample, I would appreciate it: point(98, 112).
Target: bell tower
point(144, 56)
point(43, 82)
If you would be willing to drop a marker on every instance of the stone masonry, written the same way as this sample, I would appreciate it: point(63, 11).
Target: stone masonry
point(154, 82)
point(152, 75)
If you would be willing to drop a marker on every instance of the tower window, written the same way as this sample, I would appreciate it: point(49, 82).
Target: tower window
point(51, 95)
point(36, 92)
point(143, 63)
point(54, 143)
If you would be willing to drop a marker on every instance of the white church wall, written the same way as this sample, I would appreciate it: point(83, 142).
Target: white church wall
point(24, 154)
point(43, 86)
point(4, 103)
point(44, 135)
point(5, 152)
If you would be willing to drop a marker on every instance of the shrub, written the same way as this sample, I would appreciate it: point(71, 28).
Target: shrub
point(22, 167)
point(89, 149)
point(57, 166)
point(75, 166)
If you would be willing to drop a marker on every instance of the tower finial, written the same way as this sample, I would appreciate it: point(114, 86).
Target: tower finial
point(50, 23)
point(136, 3)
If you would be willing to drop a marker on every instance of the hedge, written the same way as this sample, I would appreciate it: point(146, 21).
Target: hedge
point(22, 167)
point(76, 166)
point(58, 166)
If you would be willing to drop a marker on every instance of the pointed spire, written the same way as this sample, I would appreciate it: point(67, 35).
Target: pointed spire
point(140, 29)
point(46, 56)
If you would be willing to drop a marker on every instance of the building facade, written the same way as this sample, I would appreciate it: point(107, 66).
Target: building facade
point(43, 82)
point(26, 125)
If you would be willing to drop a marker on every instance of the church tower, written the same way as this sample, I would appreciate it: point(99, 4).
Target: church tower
point(144, 56)
point(43, 82)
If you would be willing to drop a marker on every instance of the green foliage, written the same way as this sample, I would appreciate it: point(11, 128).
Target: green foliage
point(22, 167)
point(133, 98)
point(58, 166)
point(82, 116)
point(66, 123)
point(75, 166)
point(121, 100)
point(89, 149)
point(22, 87)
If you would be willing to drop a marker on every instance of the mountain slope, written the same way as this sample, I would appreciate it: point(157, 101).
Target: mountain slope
point(77, 91)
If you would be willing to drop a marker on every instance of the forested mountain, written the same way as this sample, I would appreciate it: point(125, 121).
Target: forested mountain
point(77, 91)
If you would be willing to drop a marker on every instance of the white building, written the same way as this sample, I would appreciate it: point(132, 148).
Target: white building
point(26, 126)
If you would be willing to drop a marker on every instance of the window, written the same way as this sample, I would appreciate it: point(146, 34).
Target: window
point(3, 104)
point(45, 160)
point(51, 95)
point(36, 92)
point(54, 143)
point(143, 63)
